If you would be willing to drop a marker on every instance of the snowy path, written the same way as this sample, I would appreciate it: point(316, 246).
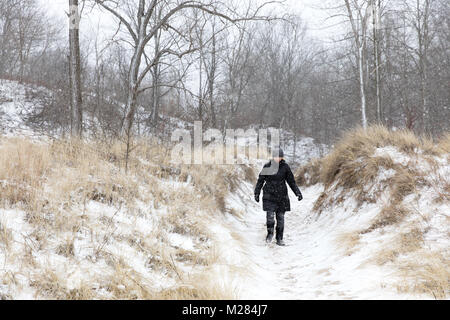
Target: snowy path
point(313, 264)
point(294, 272)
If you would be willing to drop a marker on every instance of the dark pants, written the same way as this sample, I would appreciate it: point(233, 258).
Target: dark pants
point(271, 224)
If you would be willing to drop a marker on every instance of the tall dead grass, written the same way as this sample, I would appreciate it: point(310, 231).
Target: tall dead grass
point(427, 274)
point(352, 165)
point(360, 144)
point(444, 143)
point(54, 182)
point(353, 169)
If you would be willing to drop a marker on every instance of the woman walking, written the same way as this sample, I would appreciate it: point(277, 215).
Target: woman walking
point(272, 180)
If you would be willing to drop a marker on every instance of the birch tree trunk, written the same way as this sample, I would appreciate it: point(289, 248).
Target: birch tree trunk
point(422, 28)
point(376, 7)
point(156, 80)
point(75, 71)
point(133, 87)
point(211, 80)
point(359, 29)
point(362, 90)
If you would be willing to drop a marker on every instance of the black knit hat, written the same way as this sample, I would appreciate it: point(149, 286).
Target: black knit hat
point(277, 153)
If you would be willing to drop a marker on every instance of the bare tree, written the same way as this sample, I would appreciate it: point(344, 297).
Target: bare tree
point(376, 25)
point(211, 36)
point(144, 19)
point(8, 16)
point(419, 14)
point(358, 16)
point(239, 70)
point(156, 76)
point(75, 70)
point(25, 34)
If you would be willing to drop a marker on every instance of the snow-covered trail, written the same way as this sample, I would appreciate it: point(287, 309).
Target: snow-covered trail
point(313, 264)
point(295, 271)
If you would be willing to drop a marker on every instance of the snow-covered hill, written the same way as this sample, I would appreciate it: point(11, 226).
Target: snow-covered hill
point(381, 215)
point(17, 101)
point(20, 101)
point(374, 222)
point(74, 225)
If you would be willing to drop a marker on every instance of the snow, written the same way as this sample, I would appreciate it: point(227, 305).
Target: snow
point(181, 241)
point(313, 265)
point(15, 106)
point(306, 149)
point(393, 153)
point(316, 264)
point(107, 232)
point(310, 266)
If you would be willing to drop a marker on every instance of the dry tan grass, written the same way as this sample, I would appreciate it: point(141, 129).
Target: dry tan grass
point(358, 177)
point(24, 165)
point(48, 284)
point(5, 237)
point(418, 269)
point(53, 182)
point(352, 166)
point(309, 174)
point(215, 182)
point(428, 274)
point(404, 183)
point(444, 143)
point(352, 170)
point(404, 243)
point(348, 241)
point(197, 291)
point(199, 286)
point(360, 144)
point(389, 215)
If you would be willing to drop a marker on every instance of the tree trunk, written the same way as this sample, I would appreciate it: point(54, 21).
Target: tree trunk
point(200, 92)
point(155, 88)
point(75, 71)
point(155, 95)
point(212, 75)
point(361, 87)
point(360, 42)
point(130, 110)
point(133, 88)
point(376, 46)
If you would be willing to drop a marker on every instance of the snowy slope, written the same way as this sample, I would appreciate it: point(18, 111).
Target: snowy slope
point(15, 105)
point(311, 266)
point(74, 225)
point(314, 264)
point(176, 237)
point(303, 149)
point(342, 251)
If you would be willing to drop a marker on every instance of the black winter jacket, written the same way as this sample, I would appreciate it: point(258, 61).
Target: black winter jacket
point(275, 194)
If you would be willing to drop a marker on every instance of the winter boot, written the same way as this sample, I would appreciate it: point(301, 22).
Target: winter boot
point(280, 243)
point(269, 235)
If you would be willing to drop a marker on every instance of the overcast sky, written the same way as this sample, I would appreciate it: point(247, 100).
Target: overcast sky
point(310, 10)
point(316, 18)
